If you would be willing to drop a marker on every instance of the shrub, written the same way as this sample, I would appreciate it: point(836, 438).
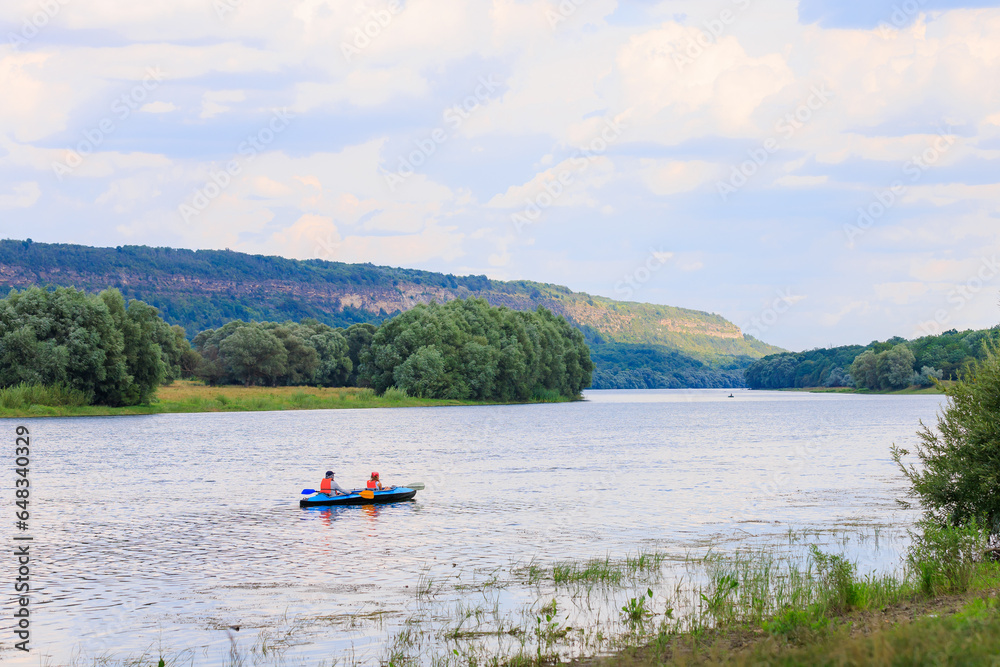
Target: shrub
point(957, 481)
point(944, 557)
point(840, 588)
point(798, 624)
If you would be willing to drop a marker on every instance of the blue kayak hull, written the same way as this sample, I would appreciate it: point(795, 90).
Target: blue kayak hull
point(394, 496)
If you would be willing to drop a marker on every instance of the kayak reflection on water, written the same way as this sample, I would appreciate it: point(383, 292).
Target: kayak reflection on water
point(328, 515)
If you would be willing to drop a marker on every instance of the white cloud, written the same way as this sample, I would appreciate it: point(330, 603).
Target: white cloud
point(34, 101)
point(362, 88)
point(900, 294)
point(835, 318)
point(668, 177)
point(799, 181)
point(158, 107)
point(21, 195)
point(569, 183)
point(215, 102)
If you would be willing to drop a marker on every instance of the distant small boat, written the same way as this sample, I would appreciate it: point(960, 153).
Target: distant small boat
point(731, 396)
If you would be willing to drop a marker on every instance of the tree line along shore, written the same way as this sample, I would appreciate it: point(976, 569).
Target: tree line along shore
point(73, 351)
point(889, 366)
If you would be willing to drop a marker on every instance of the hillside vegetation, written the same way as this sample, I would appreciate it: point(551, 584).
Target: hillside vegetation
point(658, 366)
point(205, 289)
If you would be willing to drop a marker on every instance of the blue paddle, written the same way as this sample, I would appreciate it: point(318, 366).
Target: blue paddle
point(309, 492)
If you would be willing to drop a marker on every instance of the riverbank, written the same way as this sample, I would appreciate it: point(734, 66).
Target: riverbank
point(909, 391)
point(187, 396)
point(960, 629)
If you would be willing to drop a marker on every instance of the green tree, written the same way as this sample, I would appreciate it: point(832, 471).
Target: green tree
point(927, 376)
point(253, 354)
point(894, 367)
point(422, 374)
point(335, 367)
point(301, 357)
point(311, 354)
point(23, 358)
point(184, 360)
point(863, 370)
point(359, 338)
point(957, 480)
point(140, 326)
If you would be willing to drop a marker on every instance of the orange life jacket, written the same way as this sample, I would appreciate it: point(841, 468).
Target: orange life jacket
point(373, 484)
point(324, 486)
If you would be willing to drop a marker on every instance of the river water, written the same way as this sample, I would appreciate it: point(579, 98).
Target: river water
point(157, 533)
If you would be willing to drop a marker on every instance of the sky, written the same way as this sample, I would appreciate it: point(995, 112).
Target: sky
point(818, 172)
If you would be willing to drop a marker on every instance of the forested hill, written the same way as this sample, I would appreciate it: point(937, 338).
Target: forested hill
point(207, 288)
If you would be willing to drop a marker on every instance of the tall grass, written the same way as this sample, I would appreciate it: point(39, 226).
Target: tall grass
point(395, 394)
point(24, 396)
point(598, 571)
point(188, 396)
point(969, 637)
point(542, 395)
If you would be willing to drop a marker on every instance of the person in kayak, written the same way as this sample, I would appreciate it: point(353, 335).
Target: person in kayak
point(375, 485)
point(330, 487)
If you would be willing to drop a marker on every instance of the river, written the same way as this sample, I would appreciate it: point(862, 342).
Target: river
point(157, 533)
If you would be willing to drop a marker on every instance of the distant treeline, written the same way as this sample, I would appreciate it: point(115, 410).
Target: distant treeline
point(107, 352)
point(658, 367)
point(893, 364)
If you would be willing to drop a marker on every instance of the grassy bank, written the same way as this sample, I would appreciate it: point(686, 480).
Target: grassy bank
point(914, 390)
point(949, 630)
point(187, 396)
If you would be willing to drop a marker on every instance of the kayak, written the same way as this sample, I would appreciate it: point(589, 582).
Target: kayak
point(354, 498)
